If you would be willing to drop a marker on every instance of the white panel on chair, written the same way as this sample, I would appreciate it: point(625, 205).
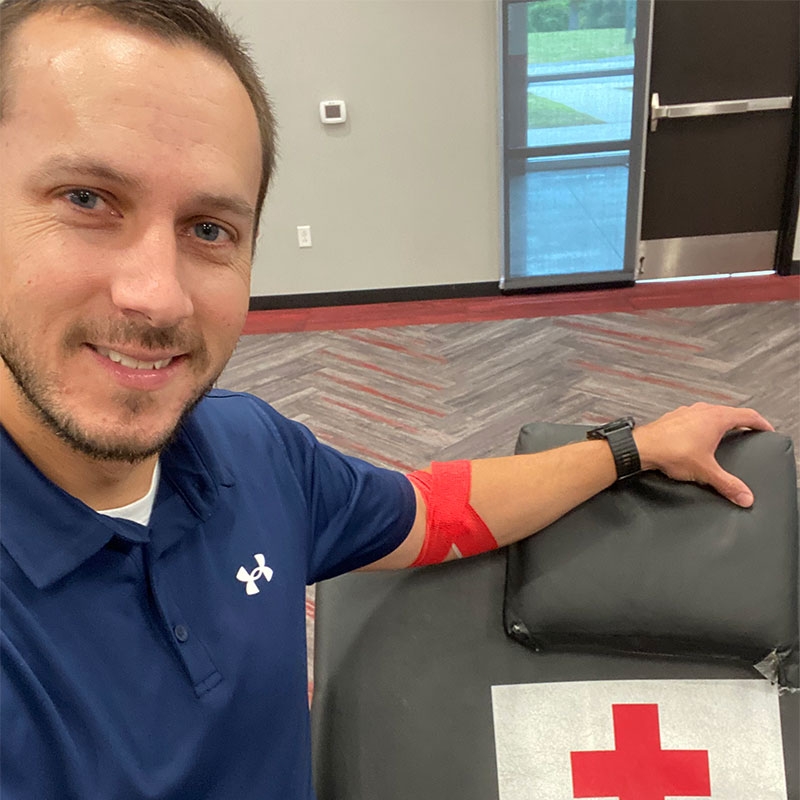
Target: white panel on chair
point(637, 740)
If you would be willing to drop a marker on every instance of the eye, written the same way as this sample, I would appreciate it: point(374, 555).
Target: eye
point(211, 232)
point(84, 198)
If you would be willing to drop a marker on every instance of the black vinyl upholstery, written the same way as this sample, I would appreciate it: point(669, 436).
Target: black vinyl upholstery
point(405, 663)
point(625, 572)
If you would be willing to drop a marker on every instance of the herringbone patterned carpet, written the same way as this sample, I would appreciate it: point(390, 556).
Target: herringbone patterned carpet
point(403, 396)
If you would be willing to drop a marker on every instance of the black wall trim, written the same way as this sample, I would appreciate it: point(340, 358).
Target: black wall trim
point(448, 291)
point(366, 296)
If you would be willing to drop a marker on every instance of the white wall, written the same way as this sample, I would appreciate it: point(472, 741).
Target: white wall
point(406, 192)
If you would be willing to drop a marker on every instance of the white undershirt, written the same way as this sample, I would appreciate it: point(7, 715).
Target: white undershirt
point(139, 510)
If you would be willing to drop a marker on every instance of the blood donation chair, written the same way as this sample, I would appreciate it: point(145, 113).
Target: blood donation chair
point(650, 580)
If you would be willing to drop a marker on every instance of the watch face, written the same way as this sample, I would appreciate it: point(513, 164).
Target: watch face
point(602, 431)
point(618, 424)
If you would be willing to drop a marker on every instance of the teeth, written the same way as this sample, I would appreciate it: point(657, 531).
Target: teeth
point(132, 363)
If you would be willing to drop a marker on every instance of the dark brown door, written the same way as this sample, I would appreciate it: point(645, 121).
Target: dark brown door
point(715, 183)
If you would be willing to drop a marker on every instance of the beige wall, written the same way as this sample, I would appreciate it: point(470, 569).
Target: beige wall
point(406, 192)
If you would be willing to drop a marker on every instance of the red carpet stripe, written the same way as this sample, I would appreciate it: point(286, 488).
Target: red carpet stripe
point(641, 297)
point(375, 368)
point(690, 390)
point(360, 387)
point(632, 348)
point(663, 316)
point(372, 415)
point(397, 347)
point(582, 326)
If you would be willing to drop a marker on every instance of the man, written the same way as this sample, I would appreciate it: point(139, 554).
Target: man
point(157, 536)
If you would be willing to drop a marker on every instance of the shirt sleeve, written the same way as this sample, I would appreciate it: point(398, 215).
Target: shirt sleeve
point(358, 512)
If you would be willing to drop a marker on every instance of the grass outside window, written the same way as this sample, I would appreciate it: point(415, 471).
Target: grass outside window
point(555, 46)
point(546, 113)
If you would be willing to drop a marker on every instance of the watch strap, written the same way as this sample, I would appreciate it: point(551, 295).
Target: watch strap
point(625, 452)
point(619, 435)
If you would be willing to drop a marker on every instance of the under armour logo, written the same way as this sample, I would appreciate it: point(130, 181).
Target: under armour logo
point(250, 578)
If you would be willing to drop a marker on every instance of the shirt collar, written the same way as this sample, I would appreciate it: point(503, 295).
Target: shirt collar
point(50, 533)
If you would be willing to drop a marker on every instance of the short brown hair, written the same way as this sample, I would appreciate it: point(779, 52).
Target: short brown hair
point(175, 21)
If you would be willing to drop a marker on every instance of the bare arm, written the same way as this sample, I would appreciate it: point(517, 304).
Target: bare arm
point(519, 495)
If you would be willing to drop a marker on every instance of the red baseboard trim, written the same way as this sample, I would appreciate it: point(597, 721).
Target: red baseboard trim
point(641, 297)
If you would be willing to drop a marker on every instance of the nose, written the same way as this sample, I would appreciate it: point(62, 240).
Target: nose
point(147, 279)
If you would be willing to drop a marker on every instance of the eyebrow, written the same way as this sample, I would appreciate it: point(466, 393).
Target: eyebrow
point(86, 166)
point(218, 202)
point(102, 171)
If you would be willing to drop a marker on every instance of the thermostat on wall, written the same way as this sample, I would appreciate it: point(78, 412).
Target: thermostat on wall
point(332, 112)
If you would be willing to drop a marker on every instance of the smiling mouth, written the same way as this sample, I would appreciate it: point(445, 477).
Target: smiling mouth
point(132, 363)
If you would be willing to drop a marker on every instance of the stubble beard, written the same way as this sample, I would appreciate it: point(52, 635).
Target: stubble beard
point(42, 395)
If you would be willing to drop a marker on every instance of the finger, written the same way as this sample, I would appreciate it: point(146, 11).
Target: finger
point(750, 418)
point(729, 486)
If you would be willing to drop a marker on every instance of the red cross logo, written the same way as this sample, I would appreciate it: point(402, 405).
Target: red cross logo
point(639, 769)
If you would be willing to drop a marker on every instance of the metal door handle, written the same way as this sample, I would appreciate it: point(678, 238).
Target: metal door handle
point(657, 111)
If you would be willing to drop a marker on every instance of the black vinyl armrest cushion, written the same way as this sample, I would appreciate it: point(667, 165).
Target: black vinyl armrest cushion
point(653, 565)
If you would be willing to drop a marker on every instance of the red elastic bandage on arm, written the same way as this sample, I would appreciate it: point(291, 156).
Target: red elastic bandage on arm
point(453, 525)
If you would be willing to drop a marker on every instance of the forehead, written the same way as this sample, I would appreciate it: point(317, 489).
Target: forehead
point(84, 82)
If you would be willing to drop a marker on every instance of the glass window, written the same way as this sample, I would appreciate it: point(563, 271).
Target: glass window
point(570, 214)
point(570, 75)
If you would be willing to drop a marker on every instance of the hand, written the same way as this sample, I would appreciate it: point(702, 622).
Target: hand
point(682, 445)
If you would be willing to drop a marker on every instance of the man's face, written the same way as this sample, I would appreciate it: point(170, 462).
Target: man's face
point(130, 170)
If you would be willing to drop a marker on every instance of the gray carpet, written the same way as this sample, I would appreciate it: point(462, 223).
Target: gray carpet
point(405, 395)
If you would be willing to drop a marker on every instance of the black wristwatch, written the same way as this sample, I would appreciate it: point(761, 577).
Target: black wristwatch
point(619, 436)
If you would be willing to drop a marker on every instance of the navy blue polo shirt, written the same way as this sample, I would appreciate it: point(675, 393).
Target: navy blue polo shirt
point(169, 661)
